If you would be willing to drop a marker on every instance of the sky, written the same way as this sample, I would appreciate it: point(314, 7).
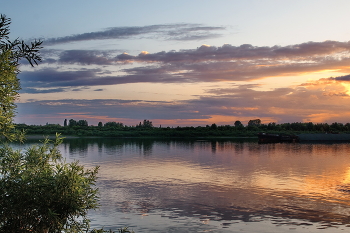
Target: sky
point(184, 63)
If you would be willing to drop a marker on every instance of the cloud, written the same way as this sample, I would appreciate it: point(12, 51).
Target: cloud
point(203, 64)
point(174, 73)
point(310, 52)
point(85, 57)
point(50, 78)
point(227, 52)
point(41, 91)
point(341, 78)
point(164, 32)
point(314, 102)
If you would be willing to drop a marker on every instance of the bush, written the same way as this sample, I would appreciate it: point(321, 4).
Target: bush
point(39, 193)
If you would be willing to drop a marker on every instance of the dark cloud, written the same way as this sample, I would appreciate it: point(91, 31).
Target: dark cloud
point(305, 52)
point(228, 52)
point(51, 78)
point(164, 32)
point(80, 89)
point(341, 78)
point(85, 57)
point(37, 90)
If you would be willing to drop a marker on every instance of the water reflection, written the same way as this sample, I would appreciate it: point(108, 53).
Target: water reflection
point(218, 185)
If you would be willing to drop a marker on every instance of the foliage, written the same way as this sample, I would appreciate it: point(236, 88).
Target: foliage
point(113, 124)
point(238, 124)
point(146, 124)
point(18, 48)
point(10, 54)
point(255, 122)
point(39, 193)
point(9, 87)
point(117, 129)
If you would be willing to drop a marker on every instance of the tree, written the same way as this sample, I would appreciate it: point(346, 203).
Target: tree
point(65, 123)
point(147, 124)
point(72, 123)
point(9, 87)
point(18, 49)
point(255, 122)
point(238, 124)
point(100, 124)
point(11, 52)
point(271, 126)
point(310, 126)
point(114, 124)
point(38, 193)
point(82, 123)
point(336, 126)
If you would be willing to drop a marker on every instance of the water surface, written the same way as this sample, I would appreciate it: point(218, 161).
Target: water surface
point(218, 185)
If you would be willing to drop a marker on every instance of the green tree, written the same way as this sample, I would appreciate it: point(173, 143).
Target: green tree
point(255, 122)
point(11, 52)
point(82, 123)
point(272, 126)
point(147, 124)
point(72, 123)
point(114, 124)
point(38, 192)
point(9, 87)
point(238, 124)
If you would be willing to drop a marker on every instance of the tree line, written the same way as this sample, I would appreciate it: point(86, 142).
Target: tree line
point(146, 129)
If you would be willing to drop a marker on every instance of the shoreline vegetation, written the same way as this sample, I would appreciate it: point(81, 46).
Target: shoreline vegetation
point(145, 129)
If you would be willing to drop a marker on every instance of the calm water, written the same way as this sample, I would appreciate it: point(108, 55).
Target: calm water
point(218, 186)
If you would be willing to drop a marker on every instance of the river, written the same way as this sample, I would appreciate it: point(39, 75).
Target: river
point(217, 185)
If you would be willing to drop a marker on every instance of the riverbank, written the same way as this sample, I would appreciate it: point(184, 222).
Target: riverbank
point(227, 131)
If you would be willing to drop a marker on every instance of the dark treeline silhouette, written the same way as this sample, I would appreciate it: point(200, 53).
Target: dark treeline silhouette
point(146, 129)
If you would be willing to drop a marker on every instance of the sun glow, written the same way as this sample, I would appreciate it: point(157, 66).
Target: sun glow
point(347, 87)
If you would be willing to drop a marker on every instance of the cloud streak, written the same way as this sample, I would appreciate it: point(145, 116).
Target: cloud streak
point(305, 52)
point(180, 32)
point(341, 78)
point(227, 52)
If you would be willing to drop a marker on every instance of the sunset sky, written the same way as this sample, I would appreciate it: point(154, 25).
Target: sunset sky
point(182, 63)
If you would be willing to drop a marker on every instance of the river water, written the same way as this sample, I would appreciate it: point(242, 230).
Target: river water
point(217, 185)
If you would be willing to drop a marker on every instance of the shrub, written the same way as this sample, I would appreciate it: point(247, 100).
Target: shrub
point(39, 193)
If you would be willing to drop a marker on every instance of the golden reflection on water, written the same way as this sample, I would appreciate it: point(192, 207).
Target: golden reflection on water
point(225, 180)
point(316, 171)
